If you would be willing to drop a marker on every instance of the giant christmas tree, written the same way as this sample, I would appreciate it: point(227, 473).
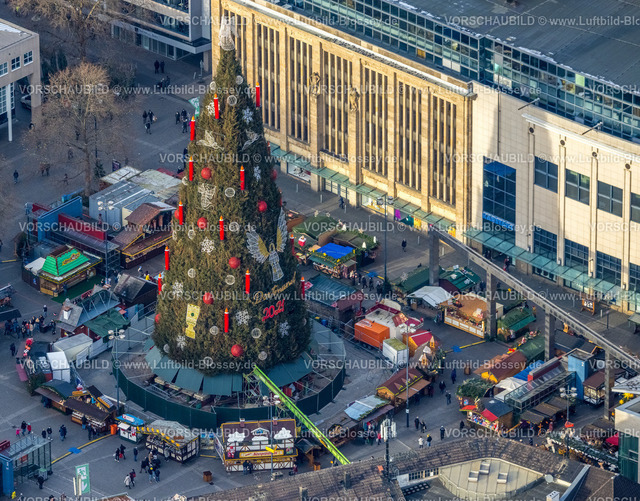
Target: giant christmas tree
point(231, 292)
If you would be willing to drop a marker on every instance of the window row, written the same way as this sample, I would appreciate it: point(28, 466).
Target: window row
point(16, 63)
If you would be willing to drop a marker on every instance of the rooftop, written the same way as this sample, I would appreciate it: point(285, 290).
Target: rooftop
point(579, 34)
point(523, 462)
point(12, 33)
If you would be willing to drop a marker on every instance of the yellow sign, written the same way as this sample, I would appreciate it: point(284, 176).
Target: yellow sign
point(193, 312)
point(272, 450)
point(260, 454)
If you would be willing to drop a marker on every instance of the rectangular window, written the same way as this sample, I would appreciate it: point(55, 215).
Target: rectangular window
point(634, 277)
point(546, 174)
point(635, 204)
point(576, 255)
point(3, 69)
point(498, 196)
point(15, 63)
point(545, 243)
point(610, 199)
point(608, 268)
point(28, 58)
point(577, 186)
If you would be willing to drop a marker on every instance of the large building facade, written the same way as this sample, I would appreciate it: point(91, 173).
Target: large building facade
point(19, 61)
point(356, 120)
point(498, 131)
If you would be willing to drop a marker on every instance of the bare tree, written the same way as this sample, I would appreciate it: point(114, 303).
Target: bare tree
point(80, 21)
point(80, 119)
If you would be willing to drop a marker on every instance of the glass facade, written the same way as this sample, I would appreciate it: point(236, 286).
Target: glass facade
point(610, 199)
point(577, 186)
point(545, 243)
point(499, 195)
point(546, 174)
point(634, 277)
point(635, 208)
point(576, 256)
point(526, 75)
point(608, 268)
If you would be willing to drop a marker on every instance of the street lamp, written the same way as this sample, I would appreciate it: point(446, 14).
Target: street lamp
point(273, 401)
point(568, 393)
point(381, 201)
point(411, 330)
point(106, 207)
point(116, 363)
point(388, 431)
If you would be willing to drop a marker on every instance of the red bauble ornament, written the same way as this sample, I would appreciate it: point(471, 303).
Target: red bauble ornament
point(202, 223)
point(234, 262)
point(274, 174)
point(236, 350)
point(205, 173)
point(207, 298)
point(157, 318)
point(262, 206)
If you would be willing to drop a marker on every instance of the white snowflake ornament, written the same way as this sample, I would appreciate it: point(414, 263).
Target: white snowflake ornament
point(283, 329)
point(191, 273)
point(177, 288)
point(181, 342)
point(256, 173)
point(247, 116)
point(242, 317)
point(207, 246)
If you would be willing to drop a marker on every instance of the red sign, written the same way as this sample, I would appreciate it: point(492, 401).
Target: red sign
point(273, 310)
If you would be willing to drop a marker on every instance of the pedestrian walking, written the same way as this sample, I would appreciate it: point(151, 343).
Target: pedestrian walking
point(147, 127)
point(13, 349)
point(49, 431)
point(461, 425)
point(65, 182)
point(17, 433)
point(157, 471)
point(442, 433)
point(44, 433)
point(116, 456)
point(379, 438)
point(40, 481)
point(423, 426)
point(404, 245)
point(161, 66)
point(15, 176)
point(132, 476)
point(448, 397)
point(421, 442)
point(145, 116)
point(89, 433)
point(341, 203)
point(122, 449)
point(84, 422)
point(185, 123)
point(152, 117)
point(429, 439)
point(28, 428)
point(63, 432)
point(1, 245)
point(144, 464)
point(135, 454)
point(370, 284)
point(416, 421)
point(177, 117)
point(156, 65)
point(23, 427)
point(454, 376)
point(151, 474)
point(127, 481)
point(506, 264)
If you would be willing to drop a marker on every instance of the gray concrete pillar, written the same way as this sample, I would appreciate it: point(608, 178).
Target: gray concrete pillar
point(433, 243)
point(549, 336)
point(608, 363)
point(492, 293)
point(7, 99)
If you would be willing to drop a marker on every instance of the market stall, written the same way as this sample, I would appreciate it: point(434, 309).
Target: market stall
point(394, 389)
point(334, 260)
point(468, 313)
point(491, 414)
point(471, 390)
point(250, 441)
point(502, 367)
point(332, 299)
point(353, 424)
point(97, 418)
point(363, 245)
point(457, 280)
point(64, 268)
point(514, 323)
point(428, 296)
point(171, 439)
point(412, 282)
point(127, 428)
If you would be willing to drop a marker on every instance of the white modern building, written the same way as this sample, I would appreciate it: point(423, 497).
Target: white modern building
point(19, 60)
point(171, 28)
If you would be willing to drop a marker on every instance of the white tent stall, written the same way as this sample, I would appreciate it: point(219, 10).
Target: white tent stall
point(430, 295)
point(59, 366)
point(74, 347)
